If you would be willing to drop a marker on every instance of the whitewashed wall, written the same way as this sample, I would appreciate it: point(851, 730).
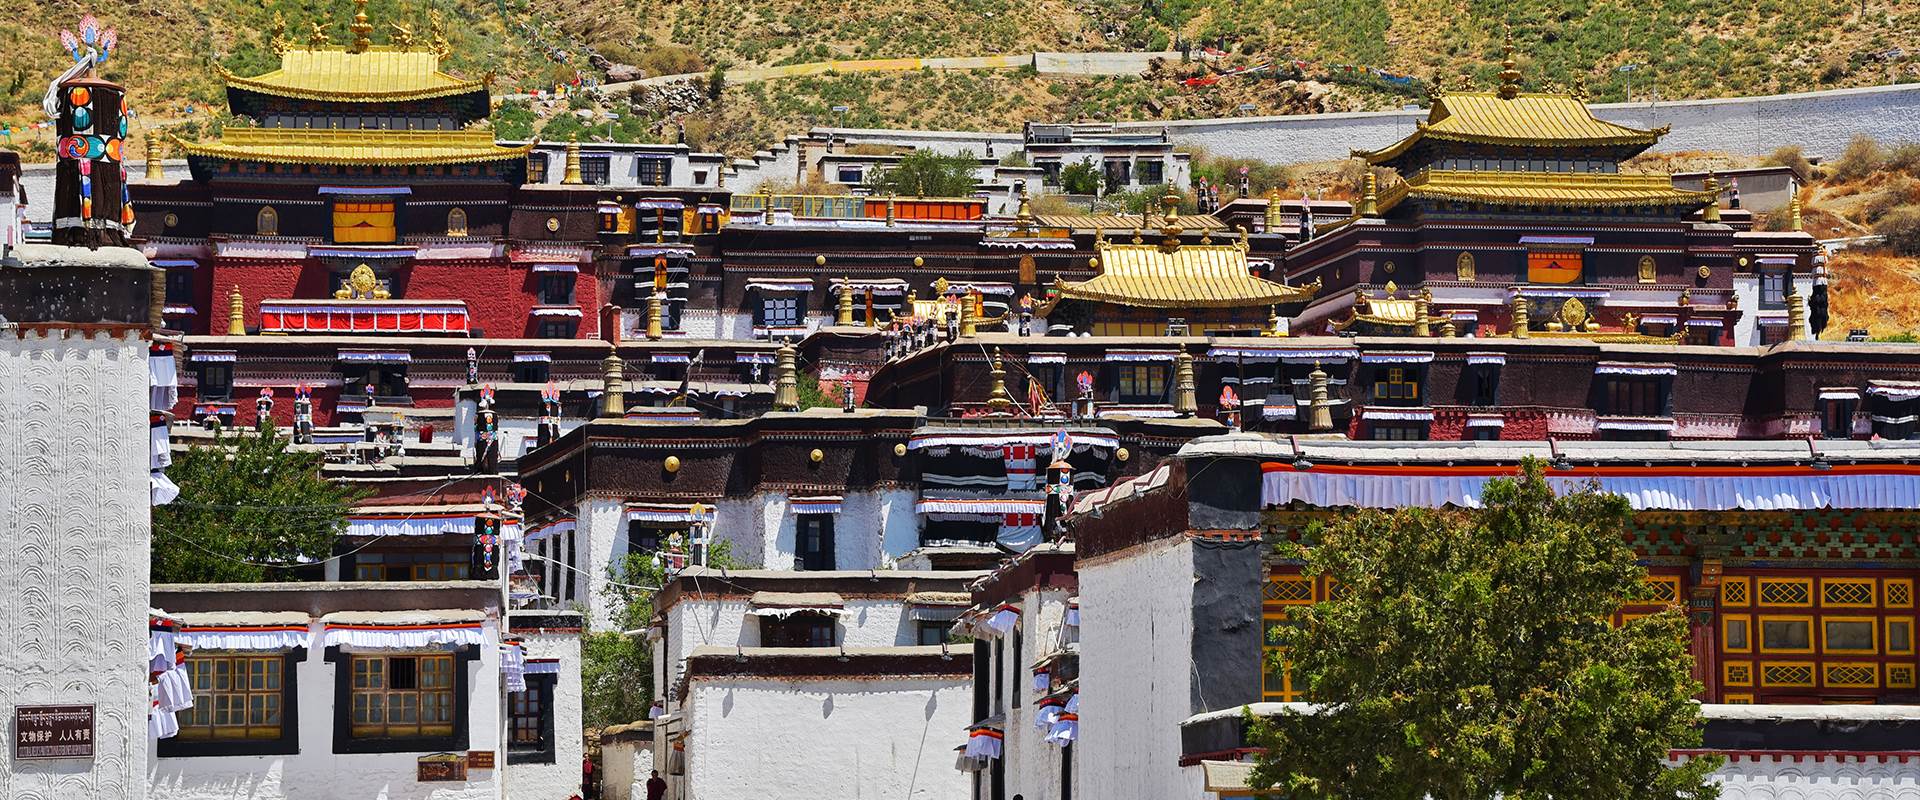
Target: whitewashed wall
point(625, 767)
point(316, 772)
point(561, 778)
point(1825, 778)
point(1136, 634)
point(73, 439)
point(1033, 764)
point(601, 526)
point(769, 739)
point(726, 623)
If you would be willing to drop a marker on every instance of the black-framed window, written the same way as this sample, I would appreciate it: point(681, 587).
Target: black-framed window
point(813, 542)
point(1836, 418)
point(1775, 285)
point(804, 629)
point(1049, 171)
point(1773, 334)
point(387, 380)
point(245, 704)
point(595, 170)
point(1482, 384)
point(556, 288)
point(428, 690)
point(1483, 433)
point(1152, 172)
point(959, 528)
point(1140, 383)
point(781, 310)
point(216, 381)
point(530, 738)
point(557, 328)
point(653, 171)
point(931, 632)
point(1397, 431)
point(1016, 668)
point(999, 675)
point(179, 287)
point(1635, 396)
point(412, 565)
point(647, 538)
point(1118, 172)
point(982, 665)
point(1396, 386)
point(536, 168)
point(531, 371)
point(1620, 435)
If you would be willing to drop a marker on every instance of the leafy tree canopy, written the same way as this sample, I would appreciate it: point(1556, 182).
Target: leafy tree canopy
point(616, 671)
point(1470, 655)
point(1080, 178)
point(246, 500)
point(925, 173)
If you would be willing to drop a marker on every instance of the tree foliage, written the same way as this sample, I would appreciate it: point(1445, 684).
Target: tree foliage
point(925, 173)
point(616, 670)
point(1080, 178)
point(246, 498)
point(1469, 655)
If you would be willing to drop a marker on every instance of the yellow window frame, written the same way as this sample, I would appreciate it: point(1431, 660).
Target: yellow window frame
point(1739, 699)
point(1873, 626)
point(1905, 590)
point(1871, 668)
point(1873, 592)
point(1900, 676)
point(1726, 622)
point(1736, 591)
point(1760, 632)
point(1887, 635)
point(1736, 673)
point(1672, 594)
point(1760, 591)
point(1288, 691)
point(1292, 581)
point(1813, 673)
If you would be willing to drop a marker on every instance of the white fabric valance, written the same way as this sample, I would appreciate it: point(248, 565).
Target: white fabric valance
point(1046, 358)
point(1492, 359)
point(543, 666)
point(1839, 394)
point(1271, 352)
point(402, 637)
point(245, 638)
point(983, 288)
point(661, 512)
point(1633, 424)
point(1619, 368)
point(1486, 422)
point(1706, 322)
point(1009, 437)
point(1895, 391)
point(1715, 492)
point(780, 285)
point(410, 525)
point(829, 504)
point(1396, 358)
point(216, 356)
point(943, 505)
point(556, 268)
point(525, 358)
point(1398, 414)
point(1660, 319)
point(545, 530)
point(1142, 355)
point(376, 356)
point(755, 358)
point(555, 311)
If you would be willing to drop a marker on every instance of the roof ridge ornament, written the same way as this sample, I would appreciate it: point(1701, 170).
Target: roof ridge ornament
point(1509, 72)
point(360, 27)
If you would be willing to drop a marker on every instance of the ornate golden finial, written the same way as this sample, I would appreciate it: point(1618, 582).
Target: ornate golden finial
point(361, 284)
point(236, 312)
point(1136, 237)
point(317, 35)
point(844, 312)
point(786, 384)
point(1273, 210)
point(940, 286)
point(1320, 419)
point(1024, 216)
point(400, 35)
point(1509, 72)
point(572, 176)
point(1393, 289)
point(1520, 321)
point(155, 173)
point(437, 34)
point(360, 27)
point(999, 403)
point(1170, 222)
point(1369, 195)
point(1185, 400)
point(1712, 212)
point(1794, 222)
point(277, 34)
point(1422, 305)
point(1244, 243)
point(1436, 86)
point(1579, 88)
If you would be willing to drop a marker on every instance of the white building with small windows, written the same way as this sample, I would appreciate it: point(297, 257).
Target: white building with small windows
point(370, 690)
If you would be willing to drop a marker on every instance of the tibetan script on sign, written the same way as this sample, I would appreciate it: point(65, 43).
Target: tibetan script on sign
point(42, 732)
point(479, 759)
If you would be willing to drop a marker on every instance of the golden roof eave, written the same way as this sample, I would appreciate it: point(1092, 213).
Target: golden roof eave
point(1530, 119)
point(1569, 189)
point(1185, 276)
point(354, 147)
point(381, 74)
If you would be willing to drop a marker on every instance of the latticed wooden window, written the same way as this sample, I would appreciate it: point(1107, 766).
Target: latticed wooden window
point(1738, 699)
point(1293, 589)
point(1278, 682)
point(1900, 676)
point(398, 697)
point(1735, 592)
point(1852, 675)
point(1786, 591)
point(1787, 673)
point(1737, 673)
point(1846, 592)
point(1666, 588)
point(1900, 592)
point(235, 697)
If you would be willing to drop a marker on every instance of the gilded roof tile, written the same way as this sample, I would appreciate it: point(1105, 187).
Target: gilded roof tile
point(1526, 120)
point(380, 74)
point(1585, 189)
point(355, 147)
point(1186, 276)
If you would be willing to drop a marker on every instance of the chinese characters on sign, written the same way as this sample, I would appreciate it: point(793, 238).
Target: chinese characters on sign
point(42, 732)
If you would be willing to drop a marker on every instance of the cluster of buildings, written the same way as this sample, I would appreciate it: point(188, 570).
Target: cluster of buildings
point(951, 499)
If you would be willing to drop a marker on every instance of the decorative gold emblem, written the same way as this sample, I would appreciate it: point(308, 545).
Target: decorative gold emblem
point(553, 224)
point(1705, 272)
point(1646, 269)
point(1463, 267)
point(361, 284)
point(171, 220)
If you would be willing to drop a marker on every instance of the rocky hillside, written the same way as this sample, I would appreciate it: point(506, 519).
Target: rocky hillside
point(1360, 53)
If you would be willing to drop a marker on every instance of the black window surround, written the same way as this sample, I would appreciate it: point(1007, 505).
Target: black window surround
point(289, 741)
point(345, 743)
point(543, 685)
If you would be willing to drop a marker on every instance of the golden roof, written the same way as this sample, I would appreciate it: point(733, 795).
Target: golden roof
point(377, 74)
point(355, 147)
point(1180, 276)
point(1527, 119)
point(1121, 222)
point(1584, 189)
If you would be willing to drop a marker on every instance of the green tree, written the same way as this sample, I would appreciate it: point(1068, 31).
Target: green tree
point(246, 500)
point(514, 121)
point(925, 173)
point(1469, 656)
point(1080, 178)
point(716, 83)
point(616, 669)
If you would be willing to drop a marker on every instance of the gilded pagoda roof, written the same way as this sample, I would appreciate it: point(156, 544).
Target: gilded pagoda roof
point(1180, 276)
point(354, 147)
point(1526, 119)
point(376, 74)
point(1581, 189)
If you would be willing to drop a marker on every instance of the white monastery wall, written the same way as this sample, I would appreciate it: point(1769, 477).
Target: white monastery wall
point(317, 773)
point(771, 739)
point(73, 437)
point(1035, 765)
point(1826, 778)
point(559, 779)
point(1136, 634)
point(601, 528)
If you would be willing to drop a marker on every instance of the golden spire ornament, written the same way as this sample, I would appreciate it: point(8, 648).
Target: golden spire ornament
point(360, 27)
point(1509, 72)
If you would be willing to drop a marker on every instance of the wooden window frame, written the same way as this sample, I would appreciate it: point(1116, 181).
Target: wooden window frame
point(1903, 678)
point(1873, 592)
point(1873, 629)
point(288, 743)
point(1737, 698)
point(1886, 592)
point(542, 687)
point(1725, 621)
point(1727, 677)
point(1746, 596)
point(1872, 668)
point(1813, 674)
point(1667, 580)
point(344, 742)
point(1886, 635)
point(1760, 628)
point(1759, 595)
